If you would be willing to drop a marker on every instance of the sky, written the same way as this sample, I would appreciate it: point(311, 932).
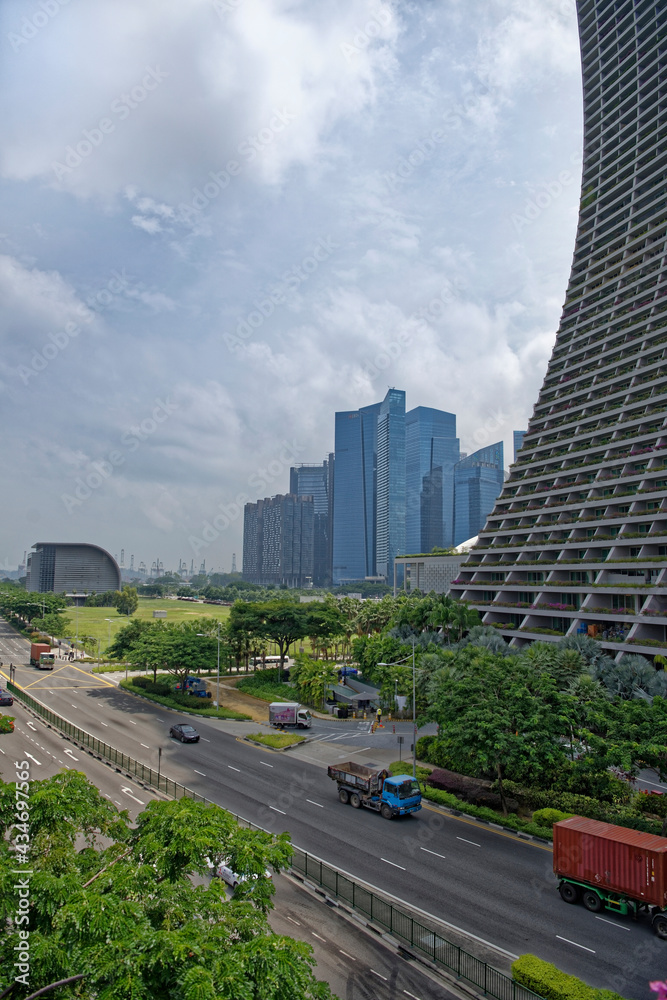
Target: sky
point(224, 220)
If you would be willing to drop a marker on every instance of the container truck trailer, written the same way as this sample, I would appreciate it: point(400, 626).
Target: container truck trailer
point(374, 788)
point(608, 867)
point(42, 656)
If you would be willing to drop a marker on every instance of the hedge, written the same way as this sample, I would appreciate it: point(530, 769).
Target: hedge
point(549, 982)
point(183, 702)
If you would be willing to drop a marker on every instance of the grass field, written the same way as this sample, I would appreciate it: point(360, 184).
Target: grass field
point(276, 740)
point(92, 621)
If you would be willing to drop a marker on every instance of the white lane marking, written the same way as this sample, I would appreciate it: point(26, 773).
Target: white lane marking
point(234, 768)
point(392, 863)
point(199, 772)
point(128, 792)
point(34, 758)
point(651, 783)
point(409, 994)
point(70, 754)
point(294, 921)
point(319, 938)
point(133, 722)
point(51, 692)
point(433, 852)
point(613, 923)
point(205, 740)
point(318, 804)
point(278, 810)
point(379, 975)
point(73, 705)
point(265, 764)
point(352, 959)
point(117, 801)
point(104, 724)
point(352, 752)
point(3, 752)
point(469, 842)
point(31, 726)
point(145, 745)
point(575, 943)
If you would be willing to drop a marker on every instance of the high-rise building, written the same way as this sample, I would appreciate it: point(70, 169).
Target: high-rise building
point(518, 442)
point(278, 541)
point(390, 528)
point(478, 479)
point(354, 494)
point(317, 481)
point(577, 542)
point(77, 567)
point(431, 452)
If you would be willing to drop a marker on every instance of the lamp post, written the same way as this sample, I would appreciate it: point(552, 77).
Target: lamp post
point(414, 718)
point(217, 686)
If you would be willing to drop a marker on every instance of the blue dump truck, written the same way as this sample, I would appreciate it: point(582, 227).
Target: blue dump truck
point(369, 786)
point(194, 686)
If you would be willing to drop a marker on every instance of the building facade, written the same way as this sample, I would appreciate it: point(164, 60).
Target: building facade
point(354, 494)
point(518, 442)
point(577, 542)
point(390, 503)
point(317, 481)
point(431, 452)
point(478, 480)
point(278, 541)
point(70, 567)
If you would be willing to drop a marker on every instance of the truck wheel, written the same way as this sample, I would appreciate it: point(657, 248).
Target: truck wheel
point(569, 893)
point(660, 925)
point(344, 796)
point(591, 901)
point(386, 811)
point(355, 801)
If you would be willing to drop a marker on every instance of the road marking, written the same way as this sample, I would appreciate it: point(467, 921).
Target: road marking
point(351, 958)
point(409, 994)
point(32, 727)
point(294, 921)
point(278, 810)
point(3, 752)
point(352, 752)
point(234, 768)
point(433, 852)
point(651, 783)
point(70, 754)
point(73, 705)
point(613, 923)
point(469, 842)
point(104, 724)
point(145, 745)
point(392, 863)
point(318, 804)
point(379, 975)
point(33, 758)
point(199, 772)
point(117, 801)
point(265, 764)
point(575, 943)
point(205, 740)
point(133, 722)
point(319, 938)
point(128, 792)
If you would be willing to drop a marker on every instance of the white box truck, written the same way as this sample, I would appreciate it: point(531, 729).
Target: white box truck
point(289, 713)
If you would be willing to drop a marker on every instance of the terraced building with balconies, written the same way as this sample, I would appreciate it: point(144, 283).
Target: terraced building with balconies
point(577, 541)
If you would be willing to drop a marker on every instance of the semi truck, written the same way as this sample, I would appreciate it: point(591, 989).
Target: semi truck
point(42, 656)
point(374, 788)
point(608, 867)
point(289, 713)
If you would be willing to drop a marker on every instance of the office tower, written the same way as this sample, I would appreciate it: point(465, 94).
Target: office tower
point(278, 541)
point(317, 481)
point(579, 533)
point(354, 494)
point(431, 452)
point(478, 479)
point(518, 442)
point(390, 529)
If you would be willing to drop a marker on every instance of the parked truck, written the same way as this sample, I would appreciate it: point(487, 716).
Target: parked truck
point(289, 713)
point(194, 686)
point(363, 785)
point(612, 868)
point(42, 656)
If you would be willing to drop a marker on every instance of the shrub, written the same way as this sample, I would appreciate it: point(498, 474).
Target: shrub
point(549, 982)
point(645, 802)
point(163, 686)
point(547, 817)
point(6, 723)
point(474, 790)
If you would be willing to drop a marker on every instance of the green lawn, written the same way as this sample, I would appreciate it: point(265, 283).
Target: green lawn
point(276, 740)
point(92, 621)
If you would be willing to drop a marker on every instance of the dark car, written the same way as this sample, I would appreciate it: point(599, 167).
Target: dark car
point(184, 733)
point(6, 698)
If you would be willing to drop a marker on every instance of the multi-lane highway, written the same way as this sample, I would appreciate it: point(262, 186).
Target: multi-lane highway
point(488, 883)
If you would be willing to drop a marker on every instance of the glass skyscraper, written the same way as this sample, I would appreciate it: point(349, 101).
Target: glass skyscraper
point(478, 479)
point(431, 452)
point(317, 481)
point(390, 518)
point(577, 542)
point(355, 488)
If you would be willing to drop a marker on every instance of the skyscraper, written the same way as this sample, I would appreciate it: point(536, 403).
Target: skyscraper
point(518, 442)
point(431, 451)
point(317, 481)
point(355, 488)
point(478, 479)
point(390, 529)
point(579, 534)
point(278, 541)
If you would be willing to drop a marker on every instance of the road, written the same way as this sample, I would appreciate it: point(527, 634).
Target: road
point(487, 883)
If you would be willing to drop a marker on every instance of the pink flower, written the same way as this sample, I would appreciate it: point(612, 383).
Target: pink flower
point(660, 989)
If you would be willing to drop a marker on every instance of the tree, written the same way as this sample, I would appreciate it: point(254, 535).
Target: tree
point(175, 647)
point(126, 600)
point(128, 636)
point(126, 911)
point(282, 622)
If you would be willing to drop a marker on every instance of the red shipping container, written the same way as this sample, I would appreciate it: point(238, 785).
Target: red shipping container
point(612, 857)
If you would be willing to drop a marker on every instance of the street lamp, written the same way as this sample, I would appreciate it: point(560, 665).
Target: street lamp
point(217, 687)
point(414, 720)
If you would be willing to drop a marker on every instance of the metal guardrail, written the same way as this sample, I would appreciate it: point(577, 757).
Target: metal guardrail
point(389, 916)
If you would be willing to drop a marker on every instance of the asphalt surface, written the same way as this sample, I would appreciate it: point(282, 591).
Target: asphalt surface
point(487, 884)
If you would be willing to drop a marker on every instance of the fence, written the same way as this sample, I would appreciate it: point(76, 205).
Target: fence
point(381, 912)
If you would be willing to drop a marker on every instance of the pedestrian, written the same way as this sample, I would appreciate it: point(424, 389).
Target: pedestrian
point(379, 715)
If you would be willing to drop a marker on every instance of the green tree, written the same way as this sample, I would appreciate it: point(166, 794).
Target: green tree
point(175, 647)
point(128, 636)
point(282, 622)
point(126, 600)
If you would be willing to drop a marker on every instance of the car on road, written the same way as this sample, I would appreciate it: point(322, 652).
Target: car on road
point(229, 876)
point(6, 698)
point(185, 733)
